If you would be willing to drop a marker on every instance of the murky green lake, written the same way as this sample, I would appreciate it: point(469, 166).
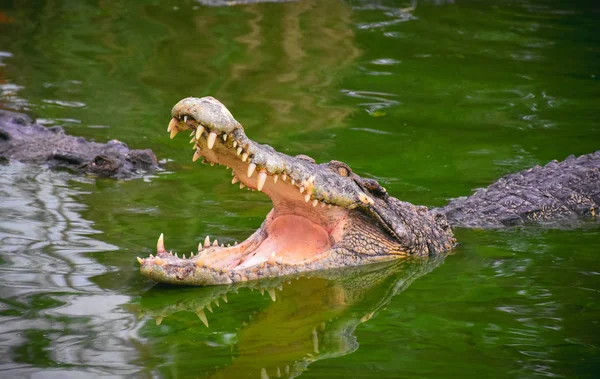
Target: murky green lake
point(432, 98)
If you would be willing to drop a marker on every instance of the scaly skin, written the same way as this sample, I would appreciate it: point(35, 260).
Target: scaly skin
point(350, 220)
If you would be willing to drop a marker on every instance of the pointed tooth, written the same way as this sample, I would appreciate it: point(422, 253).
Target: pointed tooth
point(311, 180)
point(217, 303)
point(244, 157)
point(140, 260)
point(272, 258)
point(197, 155)
point(224, 137)
point(287, 370)
point(262, 291)
point(207, 241)
point(172, 124)
point(301, 189)
point(306, 198)
point(275, 177)
point(251, 168)
point(192, 140)
point(242, 185)
point(209, 307)
point(160, 245)
point(174, 132)
point(215, 243)
point(176, 256)
point(199, 246)
point(284, 177)
point(323, 205)
point(278, 372)
point(202, 316)
point(272, 295)
point(228, 245)
point(234, 144)
point(315, 202)
point(235, 243)
point(225, 298)
point(234, 180)
point(199, 131)
point(262, 178)
point(263, 373)
point(222, 245)
point(183, 256)
point(159, 320)
point(191, 254)
point(185, 119)
point(239, 150)
point(293, 182)
point(328, 205)
point(192, 133)
point(212, 164)
point(212, 137)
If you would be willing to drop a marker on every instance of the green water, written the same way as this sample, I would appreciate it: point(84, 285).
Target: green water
point(433, 102)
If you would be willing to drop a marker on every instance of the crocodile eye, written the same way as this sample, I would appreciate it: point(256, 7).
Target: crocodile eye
point(341, 168)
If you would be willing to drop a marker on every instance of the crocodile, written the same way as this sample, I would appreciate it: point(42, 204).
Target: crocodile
point(326, 216)
point(23, 140)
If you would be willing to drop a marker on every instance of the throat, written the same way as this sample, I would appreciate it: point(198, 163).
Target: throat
point(290, 239)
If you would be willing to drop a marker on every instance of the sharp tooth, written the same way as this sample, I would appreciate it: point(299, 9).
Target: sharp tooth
point(234, 180)
point(272, 258)
point(202, 316)
point(275, 177)
point(262, 178)
point(191, 254)
point(224, 137)
point(323, 205)
point(234, 144)
point(140, 260)
point(328, 205)
point(306, 198)
point(228, 245)
point(222, 245)
point(176, 256)
point(278, 372)
point(301, 189)
point(174, 132)
point(209, 307)
point(215, 243)
point(160, 245)
point(225, 298)
point(263, 373)
point(244, 157)
point(192, 140)
point(271, 292)
point(185, 119)
point(212, 164)
point(242, 186)
point(199, 131)
point(207, 241)
point(251, 169)
point(315, 202)
point(284, 177)
point(172, 124)
point(239, 150)
point(183, 256)
point(192, 133)
point(293, 182)
point(200, 247)
point(212, 137)
point(159, 320)
point(287, 370)
point(235, 243)
point(197, 155)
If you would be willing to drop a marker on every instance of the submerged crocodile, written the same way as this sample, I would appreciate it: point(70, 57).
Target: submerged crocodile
point(325, 216)
point(23, 140)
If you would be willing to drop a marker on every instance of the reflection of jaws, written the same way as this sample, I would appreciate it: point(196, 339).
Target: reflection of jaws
point(309, 319)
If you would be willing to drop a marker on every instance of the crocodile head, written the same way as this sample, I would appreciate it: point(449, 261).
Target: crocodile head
point(324, 215)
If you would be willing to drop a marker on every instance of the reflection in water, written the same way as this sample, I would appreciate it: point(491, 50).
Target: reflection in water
point(51, 314)
point(305, 320)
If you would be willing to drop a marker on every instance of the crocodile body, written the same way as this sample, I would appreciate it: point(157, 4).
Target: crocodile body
point(23, 140)
point(325, 216)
